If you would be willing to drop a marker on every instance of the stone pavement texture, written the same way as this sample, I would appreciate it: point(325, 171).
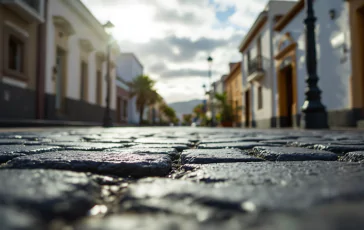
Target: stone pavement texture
point(181, 178)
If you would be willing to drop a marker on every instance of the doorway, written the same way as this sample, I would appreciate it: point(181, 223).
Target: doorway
point(118, 110)
point(361, 54)
point(286, 96)
point(247, 108)
point(60, 72)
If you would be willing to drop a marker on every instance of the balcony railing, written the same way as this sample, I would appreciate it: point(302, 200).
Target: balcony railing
point(256, 68)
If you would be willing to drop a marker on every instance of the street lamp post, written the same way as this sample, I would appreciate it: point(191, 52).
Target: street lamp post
point(211, 92)
point(107, 115)
point(314, 115)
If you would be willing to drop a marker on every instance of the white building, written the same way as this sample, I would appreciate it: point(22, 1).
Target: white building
point(128, 68)
point(334, 69)
point(76, 83)
point(258, 70)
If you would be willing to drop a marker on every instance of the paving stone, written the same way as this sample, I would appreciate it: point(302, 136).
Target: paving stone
point(48, 193)
point(172, 152)
point(336, 216)
point(143, 221)
point(115, 163)
point(338, 148)
point(309, 143)
point(237, 145)
point(353, 157)
point(86, 146)
point(179, 147)
point(10, 219)
point(11, 141)
point(293, 154)
point(115, 141)
point(8, 152)
point(162, 141)
point(279, 142)
point(221, 140)
point(207, 156)
point(65, 138)
point(255, 187)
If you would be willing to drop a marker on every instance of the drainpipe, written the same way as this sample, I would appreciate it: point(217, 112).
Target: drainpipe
point(41, 57)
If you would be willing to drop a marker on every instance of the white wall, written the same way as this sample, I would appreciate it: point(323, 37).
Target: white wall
point(265, 82)
point(83, 30)
point(128, 69)
point(268, 82)
point(330, 36)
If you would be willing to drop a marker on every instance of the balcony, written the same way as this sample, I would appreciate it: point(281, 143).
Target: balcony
point(256, 68)
point(29, 10)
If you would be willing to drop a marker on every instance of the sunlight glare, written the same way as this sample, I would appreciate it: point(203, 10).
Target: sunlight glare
point(134, 23)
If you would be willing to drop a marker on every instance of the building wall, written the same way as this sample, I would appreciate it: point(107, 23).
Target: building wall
point(264, 117)
point(334, 65)
point(233, 87)
point(17, 94)
point(86, 27)
point(128, 69)
point(266, 111)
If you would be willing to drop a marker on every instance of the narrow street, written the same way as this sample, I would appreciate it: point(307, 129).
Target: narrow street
point(181, 178)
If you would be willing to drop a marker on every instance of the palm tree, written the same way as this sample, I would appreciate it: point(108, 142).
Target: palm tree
point(142, 88)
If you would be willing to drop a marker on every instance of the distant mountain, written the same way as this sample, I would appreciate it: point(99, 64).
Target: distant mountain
point(184, 107)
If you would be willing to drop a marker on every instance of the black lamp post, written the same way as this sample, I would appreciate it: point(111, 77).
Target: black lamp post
point(314, 115)
point(209, 61)
point(107, 115)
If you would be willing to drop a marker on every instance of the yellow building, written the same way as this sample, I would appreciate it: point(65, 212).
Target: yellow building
point(234, 88)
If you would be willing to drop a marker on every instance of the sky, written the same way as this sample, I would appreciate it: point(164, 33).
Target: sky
point(173, 38)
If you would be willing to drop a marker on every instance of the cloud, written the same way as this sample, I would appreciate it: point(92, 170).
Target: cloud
point(177, 50)
point(185, 73)
point(173, 38)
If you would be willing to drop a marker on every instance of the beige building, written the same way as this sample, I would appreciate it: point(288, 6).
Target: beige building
point(21, 57)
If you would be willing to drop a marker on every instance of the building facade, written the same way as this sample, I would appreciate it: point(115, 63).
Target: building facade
point(122, 98)
point(338, 70)
point(128, 68)
point(76, 81)
point(257, 66)
point(233, 88)
point(21, 58)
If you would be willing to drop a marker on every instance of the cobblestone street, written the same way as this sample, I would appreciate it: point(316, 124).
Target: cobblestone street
point(181, 178)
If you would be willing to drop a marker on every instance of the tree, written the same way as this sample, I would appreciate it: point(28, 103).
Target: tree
point(142, 88)
point(187, 119)
point(169, 112)
point(227, 111)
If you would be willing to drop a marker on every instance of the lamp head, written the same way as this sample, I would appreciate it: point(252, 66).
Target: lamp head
point(108, 26)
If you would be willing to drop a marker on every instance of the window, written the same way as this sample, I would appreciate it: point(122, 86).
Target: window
point(15, 54)
point(259, 45)
point(248, 57)
point(99, 87)
point(125, 109)
point(83, 83)
point(34, 4)
point(260, 97)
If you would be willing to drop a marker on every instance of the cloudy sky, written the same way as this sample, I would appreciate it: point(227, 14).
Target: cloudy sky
point(173, 38)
